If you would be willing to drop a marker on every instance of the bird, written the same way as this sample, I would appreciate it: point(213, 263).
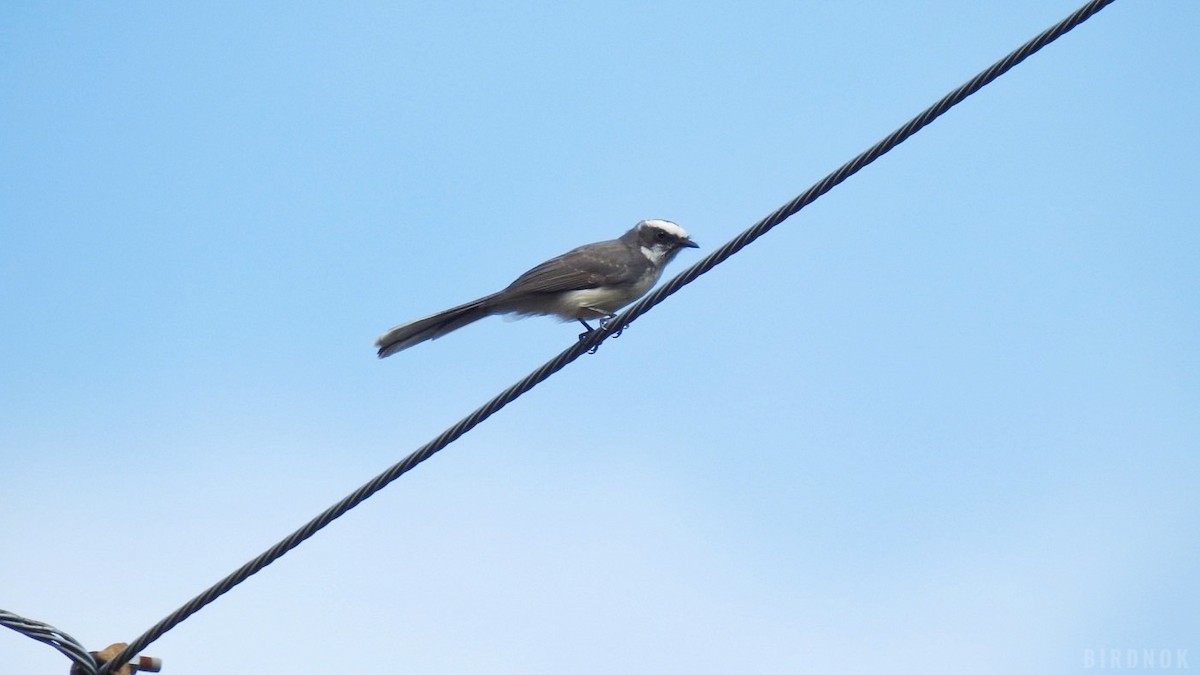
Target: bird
point(589, 282)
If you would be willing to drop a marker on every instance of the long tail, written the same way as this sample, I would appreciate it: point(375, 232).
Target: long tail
point(432, 327)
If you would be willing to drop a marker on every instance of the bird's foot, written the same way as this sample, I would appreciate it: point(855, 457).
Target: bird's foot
point(584, 335)
point(606, 320)
point(604, 325)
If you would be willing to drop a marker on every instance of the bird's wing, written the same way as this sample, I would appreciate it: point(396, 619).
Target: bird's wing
point(588, 266)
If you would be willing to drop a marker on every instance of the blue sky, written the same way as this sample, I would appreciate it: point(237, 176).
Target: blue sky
point(944, 420)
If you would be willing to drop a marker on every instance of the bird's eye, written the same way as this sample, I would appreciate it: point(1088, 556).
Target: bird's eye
point(660, 235)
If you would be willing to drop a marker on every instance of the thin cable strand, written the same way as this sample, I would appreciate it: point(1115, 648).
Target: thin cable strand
point(44, 632)
point(596, 337)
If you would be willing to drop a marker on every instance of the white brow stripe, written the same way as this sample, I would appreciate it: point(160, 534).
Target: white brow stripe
point(666, 226)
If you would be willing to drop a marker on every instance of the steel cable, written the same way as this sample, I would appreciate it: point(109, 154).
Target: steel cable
point(52, 636)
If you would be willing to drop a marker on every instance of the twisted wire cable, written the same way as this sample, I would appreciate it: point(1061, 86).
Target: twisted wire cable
point(853, 166)
point(597, 336)
point(50, 635)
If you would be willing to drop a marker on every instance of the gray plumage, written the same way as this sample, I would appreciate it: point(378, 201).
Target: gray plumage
point(588, 282)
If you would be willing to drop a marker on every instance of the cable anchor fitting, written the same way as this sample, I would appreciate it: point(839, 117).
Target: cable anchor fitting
point(145, 664)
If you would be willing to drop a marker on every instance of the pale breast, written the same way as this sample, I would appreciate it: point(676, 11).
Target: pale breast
point(590, 303)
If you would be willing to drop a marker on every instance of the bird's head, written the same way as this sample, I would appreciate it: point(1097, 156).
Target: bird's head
point(660, 240)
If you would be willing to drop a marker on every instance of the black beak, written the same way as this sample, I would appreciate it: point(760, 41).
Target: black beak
point(688, 243)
